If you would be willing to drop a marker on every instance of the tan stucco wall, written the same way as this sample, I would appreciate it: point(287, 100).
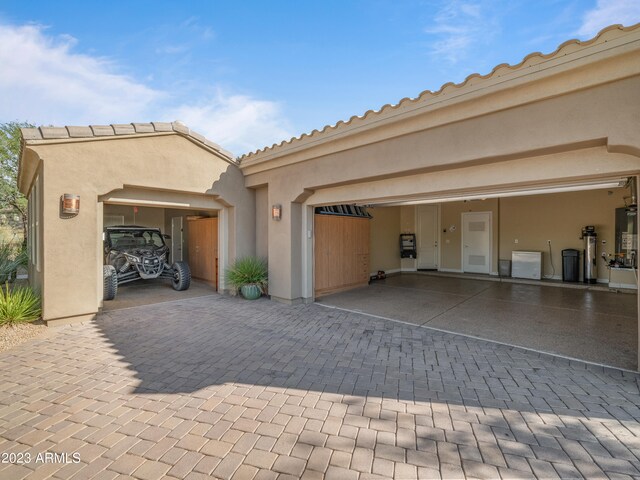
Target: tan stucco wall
point(263, 216)
point(584, 164)
point(384, 239)
point(165, 166)
point(559, 217)
point(598, 116)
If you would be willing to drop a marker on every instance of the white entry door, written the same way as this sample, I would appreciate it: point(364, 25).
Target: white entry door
point(476, 242)
point(177, 239)
point(427, 241)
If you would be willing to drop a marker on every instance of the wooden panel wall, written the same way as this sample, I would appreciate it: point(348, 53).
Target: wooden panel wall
point(341, 253)
point(203, 249)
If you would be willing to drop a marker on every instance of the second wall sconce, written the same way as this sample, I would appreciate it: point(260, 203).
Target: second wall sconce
point(276, 212)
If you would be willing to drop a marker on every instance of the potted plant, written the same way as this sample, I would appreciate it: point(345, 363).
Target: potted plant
point(249, 275)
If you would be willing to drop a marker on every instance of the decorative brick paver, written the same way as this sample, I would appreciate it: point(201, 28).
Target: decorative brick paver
point(217, 387)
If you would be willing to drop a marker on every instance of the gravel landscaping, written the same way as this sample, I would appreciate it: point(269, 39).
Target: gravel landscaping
point(12, 335)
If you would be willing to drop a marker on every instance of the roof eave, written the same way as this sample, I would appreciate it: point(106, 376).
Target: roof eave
point(70, 134)
point(426, 99)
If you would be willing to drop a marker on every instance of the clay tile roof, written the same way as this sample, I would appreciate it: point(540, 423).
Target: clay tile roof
point(143, 127)
point(54, 132)
point(79, 132)
point(370, 116)
point(102, 130)
point(162, 126)
point(43, 134)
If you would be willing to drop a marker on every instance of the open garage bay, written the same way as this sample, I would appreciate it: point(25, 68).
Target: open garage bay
point(596, 326)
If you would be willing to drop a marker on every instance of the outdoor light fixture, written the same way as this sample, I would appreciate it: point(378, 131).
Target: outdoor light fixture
point(276, 212)
point(70, 204)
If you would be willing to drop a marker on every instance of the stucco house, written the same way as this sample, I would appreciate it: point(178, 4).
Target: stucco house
point(520, 159)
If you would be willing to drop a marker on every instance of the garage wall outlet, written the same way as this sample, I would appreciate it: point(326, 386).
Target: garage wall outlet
point(515, 241)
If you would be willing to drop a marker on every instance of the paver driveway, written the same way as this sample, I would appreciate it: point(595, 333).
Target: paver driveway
point(217, 386)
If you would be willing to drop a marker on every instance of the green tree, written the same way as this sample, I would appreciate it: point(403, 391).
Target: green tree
point(10, 197)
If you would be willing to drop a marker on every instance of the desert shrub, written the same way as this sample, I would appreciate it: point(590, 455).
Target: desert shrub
point(19, 304)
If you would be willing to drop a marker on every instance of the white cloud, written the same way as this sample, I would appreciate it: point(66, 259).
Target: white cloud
point(203, 31)
point(42, 80)
point(609, 12)
point(458, 26)
point(237, 122)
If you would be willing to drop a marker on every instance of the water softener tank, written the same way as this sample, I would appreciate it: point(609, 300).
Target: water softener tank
point(590, 238)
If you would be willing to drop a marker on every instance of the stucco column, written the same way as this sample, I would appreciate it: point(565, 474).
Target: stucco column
point(239, 213)
point(225, 240)
point(72, 253)
point(285, 247)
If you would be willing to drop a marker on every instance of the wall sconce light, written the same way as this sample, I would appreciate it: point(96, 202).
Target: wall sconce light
point(69, 204)
point(276, 212)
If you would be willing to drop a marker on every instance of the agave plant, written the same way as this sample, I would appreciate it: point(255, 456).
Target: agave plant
point(249, 275)
point(18, 305)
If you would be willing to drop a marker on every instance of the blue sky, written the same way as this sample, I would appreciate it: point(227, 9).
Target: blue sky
point(249, 74)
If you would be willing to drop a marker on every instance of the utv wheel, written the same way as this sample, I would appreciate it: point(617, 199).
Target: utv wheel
point(110, 282)
point(181, 276)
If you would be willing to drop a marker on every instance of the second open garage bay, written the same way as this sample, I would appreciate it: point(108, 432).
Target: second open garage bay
point(597, 326)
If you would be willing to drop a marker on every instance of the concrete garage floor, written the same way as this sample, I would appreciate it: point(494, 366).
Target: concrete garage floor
point(590, 325)
point(136, 294)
